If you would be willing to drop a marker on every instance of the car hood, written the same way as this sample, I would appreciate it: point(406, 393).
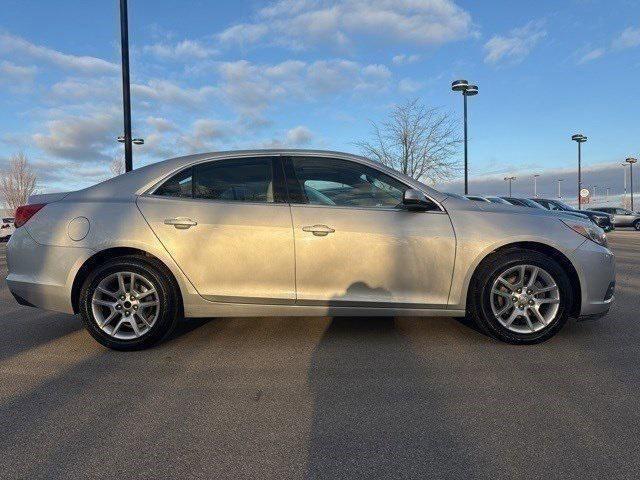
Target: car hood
point(514, 209)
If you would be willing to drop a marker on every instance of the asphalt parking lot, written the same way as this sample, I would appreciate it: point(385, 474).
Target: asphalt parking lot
point(324, 398)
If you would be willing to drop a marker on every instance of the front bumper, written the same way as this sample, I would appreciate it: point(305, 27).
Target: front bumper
point(596, 270)
point(42, 275)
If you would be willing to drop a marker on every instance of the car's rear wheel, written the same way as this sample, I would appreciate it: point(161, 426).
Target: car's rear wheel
point(636, 225)
point(129, 303)
point(520, 297)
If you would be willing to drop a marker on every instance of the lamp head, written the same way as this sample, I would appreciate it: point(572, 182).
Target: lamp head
point(459, 85)
point(471, 91)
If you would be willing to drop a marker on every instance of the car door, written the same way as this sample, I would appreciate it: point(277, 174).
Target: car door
point(356, 246)
point(622, 217)
point(227, 225)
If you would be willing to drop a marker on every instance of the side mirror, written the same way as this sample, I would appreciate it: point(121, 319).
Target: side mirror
point(416, 200)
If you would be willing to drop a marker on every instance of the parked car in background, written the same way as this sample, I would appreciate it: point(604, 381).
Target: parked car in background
point(6, 228)
point(603, 220)
point(299, 233)
point(525, 202)
point(455, 195)
point(476, 198)
point(622, 217)
point(498, 200)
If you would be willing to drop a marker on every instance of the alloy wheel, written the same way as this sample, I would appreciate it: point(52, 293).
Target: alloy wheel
point(525, 299)
point(125, 305)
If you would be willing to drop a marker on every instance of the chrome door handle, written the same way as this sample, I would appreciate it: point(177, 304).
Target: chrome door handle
point(181, 223)
point(318, 230)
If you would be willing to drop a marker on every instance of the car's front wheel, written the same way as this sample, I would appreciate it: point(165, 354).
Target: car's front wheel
point(636, 225)
point(129, 303)
point(521, 297)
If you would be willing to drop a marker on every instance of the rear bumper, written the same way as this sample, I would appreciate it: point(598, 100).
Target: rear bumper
point(42, 275)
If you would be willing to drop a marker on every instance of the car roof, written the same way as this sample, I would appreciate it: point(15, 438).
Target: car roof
point(144, 178)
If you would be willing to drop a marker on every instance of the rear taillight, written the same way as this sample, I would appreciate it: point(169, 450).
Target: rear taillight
point(25, 212)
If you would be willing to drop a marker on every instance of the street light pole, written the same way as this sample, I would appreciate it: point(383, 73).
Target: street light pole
point(467, 91)
point(631, 161)
point(126, 86)
point(535, 185)
point(580, 139)
point(560, 180)
point(509, 179)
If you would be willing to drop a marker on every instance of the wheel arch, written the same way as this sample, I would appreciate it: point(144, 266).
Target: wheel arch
point(548, 250)
point(114, 252)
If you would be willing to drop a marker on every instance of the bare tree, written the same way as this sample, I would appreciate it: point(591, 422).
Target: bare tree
point(416, 140)
point(18, 182)
point(117, 166)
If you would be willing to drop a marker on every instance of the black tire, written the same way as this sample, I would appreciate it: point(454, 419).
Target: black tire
point(479, 306)
point(636, 225)
point(170, 310)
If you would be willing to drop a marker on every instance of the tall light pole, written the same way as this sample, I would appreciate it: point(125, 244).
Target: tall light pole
point(624, 171)
point(509, 179)
point(467, 91)
point(631, 161)
point(579, 139)
point(126, 90)
point(535, 185)
point(560, 180)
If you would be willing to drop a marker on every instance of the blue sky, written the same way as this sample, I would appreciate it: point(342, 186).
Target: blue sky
point(312, 73)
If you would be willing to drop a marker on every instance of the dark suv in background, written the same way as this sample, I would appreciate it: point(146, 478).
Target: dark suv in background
point(622, 217)
point(603, 220)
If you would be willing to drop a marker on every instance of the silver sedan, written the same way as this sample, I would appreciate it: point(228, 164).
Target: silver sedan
point(290, 232)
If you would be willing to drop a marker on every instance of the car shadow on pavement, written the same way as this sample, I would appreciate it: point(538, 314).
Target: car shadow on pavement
point(378, 410)
point(35, 328)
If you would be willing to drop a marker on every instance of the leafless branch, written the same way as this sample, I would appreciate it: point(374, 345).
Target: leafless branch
point(18, 182)
point(418, 141)
point(117, 166)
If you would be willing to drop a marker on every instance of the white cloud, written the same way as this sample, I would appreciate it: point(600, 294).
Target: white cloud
point(204, 133)
point(80, 138)
point(404, 59)
point(251, 88)
point(299, 136)
point(87, 88)
point(184, 50)
point(160, 124)
point(244, 33)
point(407, 85)
point(302, 23)
point(165, 91)
point(82, 64)
point(629, 38)
point(516, 45)
point(592, 55)
point(16, 77)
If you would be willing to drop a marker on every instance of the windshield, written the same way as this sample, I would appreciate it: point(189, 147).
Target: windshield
point(498, 200)
point(531, 203)
point(562, 205)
